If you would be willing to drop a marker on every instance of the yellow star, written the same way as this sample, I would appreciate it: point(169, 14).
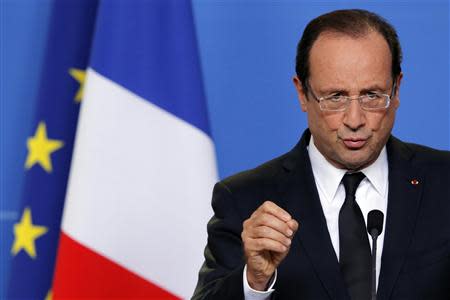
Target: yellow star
point(78, 75)
point(49, 295)
point(25, 234)
point(40, 148)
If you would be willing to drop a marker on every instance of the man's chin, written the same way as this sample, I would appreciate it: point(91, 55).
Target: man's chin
point(354, 166)
point(355, 160)
point(356, 163)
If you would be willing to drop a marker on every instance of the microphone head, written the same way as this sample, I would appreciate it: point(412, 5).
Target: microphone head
point(375, 222)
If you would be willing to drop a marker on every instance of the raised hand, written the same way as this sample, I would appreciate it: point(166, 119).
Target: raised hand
point(267, 237)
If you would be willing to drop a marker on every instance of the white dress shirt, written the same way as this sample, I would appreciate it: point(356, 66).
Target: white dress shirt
point(372, 193)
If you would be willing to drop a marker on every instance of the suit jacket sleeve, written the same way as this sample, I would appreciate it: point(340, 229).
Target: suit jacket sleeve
point(220, 276)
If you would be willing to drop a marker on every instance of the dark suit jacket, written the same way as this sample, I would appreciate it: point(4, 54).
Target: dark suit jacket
point(415, 260)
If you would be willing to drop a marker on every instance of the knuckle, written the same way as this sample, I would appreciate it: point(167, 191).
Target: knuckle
point(266, 205)
point(277, 209)
point(245, 243)
point(264, 219)
point(245, 224)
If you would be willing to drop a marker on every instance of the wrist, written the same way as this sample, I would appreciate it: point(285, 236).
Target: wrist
point(258, 282)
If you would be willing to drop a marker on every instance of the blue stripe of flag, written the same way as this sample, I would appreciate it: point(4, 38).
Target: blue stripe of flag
point(154, 55)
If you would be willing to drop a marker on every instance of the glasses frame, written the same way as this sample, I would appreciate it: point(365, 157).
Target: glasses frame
point(348, 99)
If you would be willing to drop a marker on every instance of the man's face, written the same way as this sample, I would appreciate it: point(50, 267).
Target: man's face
point(351, 139)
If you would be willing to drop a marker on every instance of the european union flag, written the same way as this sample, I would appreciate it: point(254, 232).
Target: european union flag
point(49, 149)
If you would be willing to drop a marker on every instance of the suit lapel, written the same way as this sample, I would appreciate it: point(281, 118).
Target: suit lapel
point(405, 189)
point(301, 200)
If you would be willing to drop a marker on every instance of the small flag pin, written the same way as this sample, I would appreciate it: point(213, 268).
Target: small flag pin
point(414, 181)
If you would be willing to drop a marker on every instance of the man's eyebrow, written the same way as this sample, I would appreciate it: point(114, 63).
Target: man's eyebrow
point(332, 90)
point(336, 89)
point(375, 87)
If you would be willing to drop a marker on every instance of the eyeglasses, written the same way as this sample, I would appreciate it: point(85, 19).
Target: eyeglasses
point(337, 102)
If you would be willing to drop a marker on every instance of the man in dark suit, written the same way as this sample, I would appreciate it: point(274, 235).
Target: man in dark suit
point(294, 227)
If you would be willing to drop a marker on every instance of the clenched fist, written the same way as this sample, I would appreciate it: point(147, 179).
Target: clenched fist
point(267, 237)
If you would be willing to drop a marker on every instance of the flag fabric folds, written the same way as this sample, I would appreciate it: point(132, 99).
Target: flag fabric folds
point(137, 204)
point(49, 150)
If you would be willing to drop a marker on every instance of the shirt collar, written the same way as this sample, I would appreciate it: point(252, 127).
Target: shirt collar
point(377, 173)
point(328, 177)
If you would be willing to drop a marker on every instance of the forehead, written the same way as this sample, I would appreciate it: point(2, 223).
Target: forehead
point(340, 59)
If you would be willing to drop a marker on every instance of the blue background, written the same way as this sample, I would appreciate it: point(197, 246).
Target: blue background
point(247, 51)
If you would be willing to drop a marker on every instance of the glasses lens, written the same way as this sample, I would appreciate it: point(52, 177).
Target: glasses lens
point(374, 101)
point(333, 104)
point(368, 102)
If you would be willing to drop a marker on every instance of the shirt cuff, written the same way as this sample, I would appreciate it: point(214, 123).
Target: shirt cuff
point(251, 294)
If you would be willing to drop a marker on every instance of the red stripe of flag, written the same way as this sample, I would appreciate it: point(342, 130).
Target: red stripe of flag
point(83, 273)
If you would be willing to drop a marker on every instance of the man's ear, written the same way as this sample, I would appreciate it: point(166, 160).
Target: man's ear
point(397, 90)
point(301, 93)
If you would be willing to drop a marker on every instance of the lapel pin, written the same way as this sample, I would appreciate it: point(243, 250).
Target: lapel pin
point(414, 181)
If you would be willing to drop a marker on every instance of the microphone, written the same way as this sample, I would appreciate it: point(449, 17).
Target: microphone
point(374, 227)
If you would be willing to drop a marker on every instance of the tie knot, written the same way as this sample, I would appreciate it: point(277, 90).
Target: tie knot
point(351, 182)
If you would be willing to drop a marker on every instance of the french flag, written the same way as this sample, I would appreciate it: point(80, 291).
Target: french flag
point(143, 167)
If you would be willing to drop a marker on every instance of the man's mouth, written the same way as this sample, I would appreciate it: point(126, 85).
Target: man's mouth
point(354, 144)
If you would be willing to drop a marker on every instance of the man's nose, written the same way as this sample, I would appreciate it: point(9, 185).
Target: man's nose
point(355, 116)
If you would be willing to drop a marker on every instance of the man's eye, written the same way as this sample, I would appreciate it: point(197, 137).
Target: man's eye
point(335, 98)
point(372, 96)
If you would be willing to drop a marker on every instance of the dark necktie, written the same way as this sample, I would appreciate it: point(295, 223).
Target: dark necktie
point(354, 248)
